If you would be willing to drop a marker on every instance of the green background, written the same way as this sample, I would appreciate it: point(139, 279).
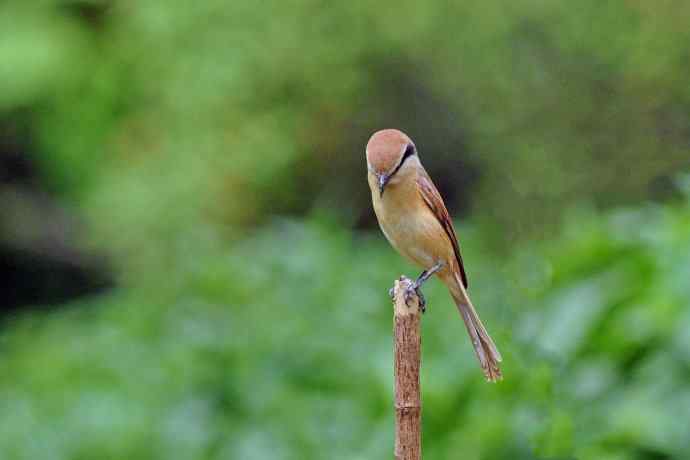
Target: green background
point(207, 159)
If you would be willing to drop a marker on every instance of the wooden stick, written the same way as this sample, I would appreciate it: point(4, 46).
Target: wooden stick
point(407, 347)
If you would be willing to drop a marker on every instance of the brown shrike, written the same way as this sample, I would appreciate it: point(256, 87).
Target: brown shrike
point(415, 221)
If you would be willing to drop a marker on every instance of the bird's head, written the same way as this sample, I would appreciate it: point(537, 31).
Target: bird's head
point(390, 155)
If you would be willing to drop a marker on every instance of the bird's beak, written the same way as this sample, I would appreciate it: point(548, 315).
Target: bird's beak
point(383, 180)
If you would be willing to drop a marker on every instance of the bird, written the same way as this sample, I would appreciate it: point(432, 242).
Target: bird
point(414, 219)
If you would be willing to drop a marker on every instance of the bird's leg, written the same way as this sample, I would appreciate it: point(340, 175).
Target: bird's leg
point(423, 277)
point(426, 274)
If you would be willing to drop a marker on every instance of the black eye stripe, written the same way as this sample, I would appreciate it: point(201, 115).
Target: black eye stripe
point(409, 151)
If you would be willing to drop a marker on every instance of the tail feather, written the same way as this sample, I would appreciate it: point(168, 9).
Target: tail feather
point(484, 347)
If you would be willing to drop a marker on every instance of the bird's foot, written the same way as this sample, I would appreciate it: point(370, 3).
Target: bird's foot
point(415, 289)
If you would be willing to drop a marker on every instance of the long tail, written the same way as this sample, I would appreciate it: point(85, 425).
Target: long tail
point(484, 347)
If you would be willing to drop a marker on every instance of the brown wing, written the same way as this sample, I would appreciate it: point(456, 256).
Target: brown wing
point(433, 199)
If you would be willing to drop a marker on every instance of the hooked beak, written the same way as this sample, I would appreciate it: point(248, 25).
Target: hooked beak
point(383, 180)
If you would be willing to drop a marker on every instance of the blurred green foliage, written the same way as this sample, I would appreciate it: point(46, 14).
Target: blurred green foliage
point(253, 351)
point(179, 134)
point(231, 111)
